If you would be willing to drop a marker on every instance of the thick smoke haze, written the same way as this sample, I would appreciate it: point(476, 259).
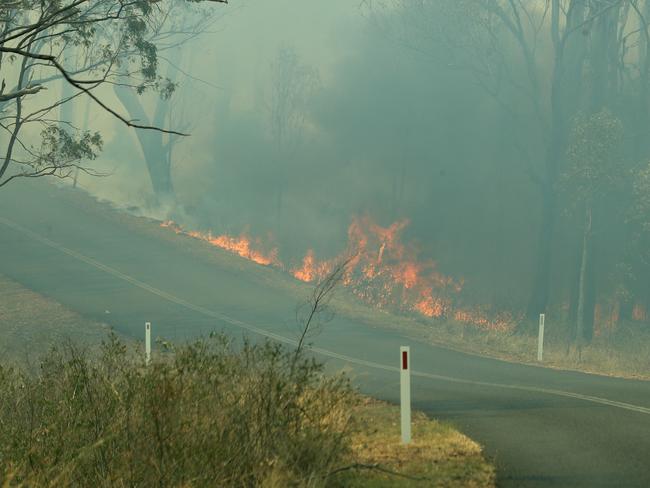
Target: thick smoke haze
point(260, 225)
point(304, 116)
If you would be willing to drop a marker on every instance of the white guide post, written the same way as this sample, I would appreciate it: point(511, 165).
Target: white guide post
point(147, 342)
point(540, 339)
point(405, 393)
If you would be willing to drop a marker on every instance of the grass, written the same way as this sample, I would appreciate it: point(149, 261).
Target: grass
point(31, 323)
point(624, 352)
point(211, 414)
point(203, 414)
point(438, 455)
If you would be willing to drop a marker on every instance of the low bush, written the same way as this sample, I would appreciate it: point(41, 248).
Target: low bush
point(203, 414)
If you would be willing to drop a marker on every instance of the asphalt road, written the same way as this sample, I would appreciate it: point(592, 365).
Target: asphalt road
point(541, 427)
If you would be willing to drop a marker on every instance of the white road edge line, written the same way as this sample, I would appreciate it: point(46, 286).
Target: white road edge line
point(317, 350)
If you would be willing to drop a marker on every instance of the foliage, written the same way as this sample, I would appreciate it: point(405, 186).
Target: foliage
point(594, 156)
point(639, 220)
point(293, 84)
point(204, 414)
point(642, 197)
point(82, 44)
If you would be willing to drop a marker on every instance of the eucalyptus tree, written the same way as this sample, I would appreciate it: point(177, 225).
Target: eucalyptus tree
point(293, 83)
point(110, 44)
point(593, 172)
point(637, 265)
point(183, 24)
point(540, 60)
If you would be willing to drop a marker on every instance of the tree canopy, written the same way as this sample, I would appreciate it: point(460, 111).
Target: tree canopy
point(86, 45)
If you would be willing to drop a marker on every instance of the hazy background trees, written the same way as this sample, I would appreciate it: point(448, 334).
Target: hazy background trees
point(84, 46)
point(513, 135)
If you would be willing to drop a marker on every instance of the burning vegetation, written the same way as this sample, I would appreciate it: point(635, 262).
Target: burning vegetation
point(382, 271)
point(244, 246)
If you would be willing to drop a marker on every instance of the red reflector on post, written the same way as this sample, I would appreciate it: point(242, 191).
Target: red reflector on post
point(405, 394)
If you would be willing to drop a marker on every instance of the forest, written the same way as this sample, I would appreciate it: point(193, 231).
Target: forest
point(488, 158)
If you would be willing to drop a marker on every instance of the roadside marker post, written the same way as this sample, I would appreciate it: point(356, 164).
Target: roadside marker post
point(405, 393)
point(540, 339)
point(147, 342)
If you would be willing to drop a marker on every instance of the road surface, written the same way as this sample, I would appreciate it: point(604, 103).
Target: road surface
point(540, 427)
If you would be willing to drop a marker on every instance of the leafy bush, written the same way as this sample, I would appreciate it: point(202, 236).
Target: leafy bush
point(205, 414)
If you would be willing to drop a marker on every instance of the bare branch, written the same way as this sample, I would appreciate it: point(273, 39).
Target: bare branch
point(29, 90)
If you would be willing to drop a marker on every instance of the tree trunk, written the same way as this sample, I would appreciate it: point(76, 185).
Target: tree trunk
point(584, 263)
point(568, 56)
point(151, 143)
point(66, 115)
point(541, 284)
point(603, 57)
point(641, 143)
point(590, 291)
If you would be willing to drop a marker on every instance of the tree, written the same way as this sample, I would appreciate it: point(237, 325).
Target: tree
point(539, 60)
point(637, 263)
point(594, 171)
point(86, 45)
point(183, 24)
point(293, 84)
point(155, 145)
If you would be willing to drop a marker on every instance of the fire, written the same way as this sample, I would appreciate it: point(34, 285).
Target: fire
point(431, 307)
point(310, 269)
point(241, 245)
point(387, 273)
point(501, 322)
point(170, 224)
point(639, 312)
point(381, 271)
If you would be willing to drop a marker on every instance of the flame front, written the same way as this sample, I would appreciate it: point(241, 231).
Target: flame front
point(389, 274)
point(381, 271)
point(242, 245)
point(311, 270)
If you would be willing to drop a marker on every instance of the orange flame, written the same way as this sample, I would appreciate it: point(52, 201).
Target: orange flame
point(310, 269)
point(386, 273)
point(501, 322)
point(639, 312)
point(242, 245)
point(382, 271)
point(170, 224)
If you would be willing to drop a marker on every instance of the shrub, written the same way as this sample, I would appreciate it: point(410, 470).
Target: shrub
point(204, 414)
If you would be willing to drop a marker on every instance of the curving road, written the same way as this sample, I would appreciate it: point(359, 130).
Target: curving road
point(541, 427)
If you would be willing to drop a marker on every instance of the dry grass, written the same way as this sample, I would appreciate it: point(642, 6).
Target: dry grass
point(626, 353)
point(208, 414)
point(90, 416)
point(437, 456)
point(99, 417)
point(623, 353)
point(31, 323)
